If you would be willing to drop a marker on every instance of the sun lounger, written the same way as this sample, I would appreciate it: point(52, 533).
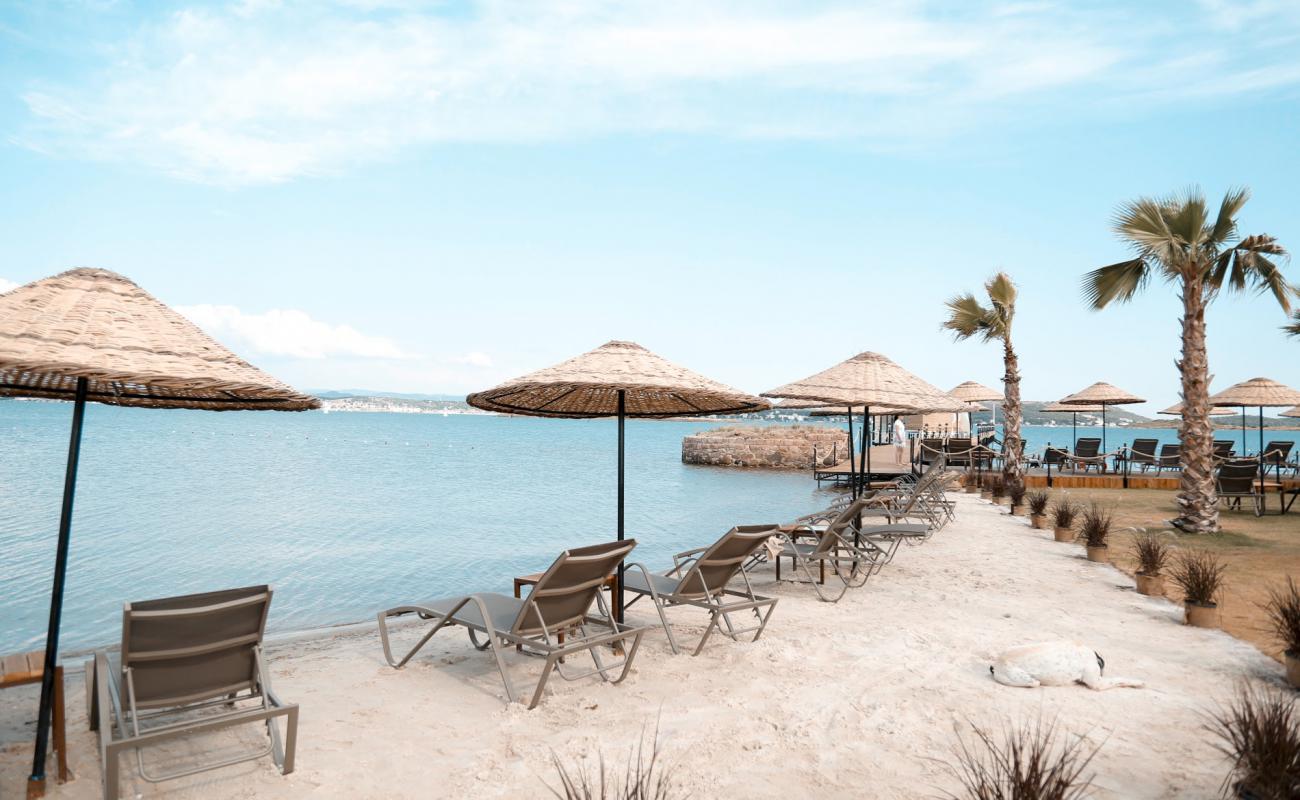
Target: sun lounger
point(1224, 449)
point(1275, 455)
point(699, 578)
point(853, 553)
point(554, 620)
point(1143, 453)
point(1171, 457)
point(1087, 455)
point(1239, 480)
point(196, 661)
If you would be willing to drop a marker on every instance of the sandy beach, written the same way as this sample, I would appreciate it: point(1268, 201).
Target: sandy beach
point(858, 699)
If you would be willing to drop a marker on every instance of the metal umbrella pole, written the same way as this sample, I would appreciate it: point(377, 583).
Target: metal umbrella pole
point(56, 593)
point(853, 477)
point(618, 582)
point(865, 457)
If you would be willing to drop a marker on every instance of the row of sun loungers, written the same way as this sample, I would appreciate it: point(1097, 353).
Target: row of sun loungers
point(194, 664)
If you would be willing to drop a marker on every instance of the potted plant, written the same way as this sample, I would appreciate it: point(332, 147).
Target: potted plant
point(1152, 554)
point(1260, 734)
point(972, 483)
point(1283, 608)
point(1038, 500)
point(1095, 529)
point(1063, 514)
point(986, 487)
point(1199, 573)
point(1017, 496)
point(998, 492)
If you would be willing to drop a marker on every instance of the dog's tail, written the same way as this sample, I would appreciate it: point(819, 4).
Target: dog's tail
point(1117, 683)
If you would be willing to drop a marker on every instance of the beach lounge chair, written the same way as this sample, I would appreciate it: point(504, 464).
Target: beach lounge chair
point(957, 452)
point(1086, 455)
point(1143, 454)
point(853, 554)
point(1171, 457)
point(1224, 449)
point(1275, 455)
point(929, 451)
point(699, 578)
point(1239, 480)
point(189, 665)
point(559, 606)
point(1056, 456)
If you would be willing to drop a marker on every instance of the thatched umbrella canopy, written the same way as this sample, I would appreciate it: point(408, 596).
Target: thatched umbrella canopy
point(1258, 392)
point(973, 392)
point(1176, 410)
point(1291, 412)
point(868, 380)
point(1073, 411)
point(617, 379)
point(92, 335)
point(1101, 394)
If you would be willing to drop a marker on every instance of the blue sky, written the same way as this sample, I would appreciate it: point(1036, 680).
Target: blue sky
point(437, 196)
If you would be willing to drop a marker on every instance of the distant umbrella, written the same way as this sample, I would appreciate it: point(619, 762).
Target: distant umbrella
point(1260, 393)
point(973, 392)
point(1101, 394)
point(1073, 411)
point(868, 380)
point(1176, 410)
point(617, 379)
point(1291, 412)
point(92, 335)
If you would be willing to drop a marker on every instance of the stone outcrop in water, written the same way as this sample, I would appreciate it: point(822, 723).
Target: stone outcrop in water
point(773, 446)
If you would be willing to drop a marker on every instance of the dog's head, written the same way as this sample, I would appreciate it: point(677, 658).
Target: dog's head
point(1101, 662)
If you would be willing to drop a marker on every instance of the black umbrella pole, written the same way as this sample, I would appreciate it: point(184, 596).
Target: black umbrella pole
point(56, 593)
point(865, 460)
point(853, 473)
point(618, 584)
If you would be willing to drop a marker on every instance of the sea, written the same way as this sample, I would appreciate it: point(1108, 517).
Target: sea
point(345, 514)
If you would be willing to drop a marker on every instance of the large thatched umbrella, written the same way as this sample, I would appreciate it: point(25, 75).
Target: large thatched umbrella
point(973, 392)
point(1073, 411)
point(869, 380)
point(1101, 394)
point(1258, 392)
point(92, 335)
point(617, 379)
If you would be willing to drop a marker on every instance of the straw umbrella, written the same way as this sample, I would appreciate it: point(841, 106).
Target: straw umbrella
point(90, 335)
point(1101, 394)
point(869, 380)
point(1258, 392)
point(973, 392)
point(1073, 411)
point(1291, 412)
point(617, 379)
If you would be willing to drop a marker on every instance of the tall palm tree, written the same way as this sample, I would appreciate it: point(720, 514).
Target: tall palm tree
point(967, 317)
point(1175, 239)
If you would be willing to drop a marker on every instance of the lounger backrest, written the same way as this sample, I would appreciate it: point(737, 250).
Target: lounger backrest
point(715, 568)
point(1237, 477)
point(1087, 448)
point(1144, 450)
point(931, 449)
point(1055, 455)
point(565, 592)
point(1170, 454)
point(1276, 452)
point(1223, 448)
point(187, 649)
point(958, 451)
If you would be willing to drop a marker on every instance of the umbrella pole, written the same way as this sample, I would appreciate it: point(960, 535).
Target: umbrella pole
point(1074, 425)
point(853, 477)
point(618, 584)
point(1243, 431)
point(37, 779)
point(866, 450)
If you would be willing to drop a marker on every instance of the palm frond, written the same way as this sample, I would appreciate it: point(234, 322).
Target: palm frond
point(1248, 265)
point(1225, 225)
point(1121, 282)
point(1187, 217)
point(1293, 329)
point(967, 317)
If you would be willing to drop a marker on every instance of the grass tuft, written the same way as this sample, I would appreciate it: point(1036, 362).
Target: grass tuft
point(1152, 553)
point(1095, 529)
point(1283, 610)
point(1038, 501)
point(1260, 732)
point(1200, 575)
point(643, 778)
point(1064, 512)
point(1025, 763)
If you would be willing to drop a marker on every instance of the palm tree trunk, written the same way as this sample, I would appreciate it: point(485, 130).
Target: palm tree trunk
point(1013, 471)
point(1196, 495)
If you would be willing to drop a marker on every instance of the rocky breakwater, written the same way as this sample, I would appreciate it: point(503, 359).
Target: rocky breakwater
point(773, 446)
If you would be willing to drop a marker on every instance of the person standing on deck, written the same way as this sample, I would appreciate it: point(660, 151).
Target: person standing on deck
point(900, 441)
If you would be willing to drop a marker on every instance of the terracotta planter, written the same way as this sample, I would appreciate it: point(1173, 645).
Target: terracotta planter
point(998, 501)
point(1293, 669)
point(985, 494)
point(1097, 554)
point(1038, 521)
point(1018, 511)
point(1199, 616)
point(1150, 585)
point(1063, 534)
point(972, 489)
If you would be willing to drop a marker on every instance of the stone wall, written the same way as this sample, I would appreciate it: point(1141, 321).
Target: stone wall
point(774, 446)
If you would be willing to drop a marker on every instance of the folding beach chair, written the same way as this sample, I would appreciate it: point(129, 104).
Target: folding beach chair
point(699, 578)
point(1143, 453)
point(195, 660)
point(1275, 455)
point(1235, 481)
point(853, 554)
point(1056, 456)
point(553, 621)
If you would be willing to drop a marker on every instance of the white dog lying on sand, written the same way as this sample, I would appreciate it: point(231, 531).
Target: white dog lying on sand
point(1055, 664)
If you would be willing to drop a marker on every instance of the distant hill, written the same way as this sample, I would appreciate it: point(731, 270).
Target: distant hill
point(1033, 415)
point(336, 394)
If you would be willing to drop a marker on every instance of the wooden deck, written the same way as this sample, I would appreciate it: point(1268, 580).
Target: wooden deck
point(883, 467)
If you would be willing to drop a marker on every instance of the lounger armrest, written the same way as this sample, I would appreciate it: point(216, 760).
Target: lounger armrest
point(685, 558)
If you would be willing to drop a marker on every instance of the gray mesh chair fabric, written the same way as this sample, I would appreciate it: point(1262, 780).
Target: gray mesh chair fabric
point(1143, 453)
point(700, 578)
point(197, 661)
point(553, 621)
point(1239, 480)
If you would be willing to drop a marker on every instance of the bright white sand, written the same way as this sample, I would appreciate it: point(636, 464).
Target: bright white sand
point(858, 699)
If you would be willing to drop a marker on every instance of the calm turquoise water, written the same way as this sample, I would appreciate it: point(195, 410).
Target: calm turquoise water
point(344, 514)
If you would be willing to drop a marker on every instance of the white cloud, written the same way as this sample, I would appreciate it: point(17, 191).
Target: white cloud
point(263, 91)
point(6, 286)
point(472, 359)
point(289, 332)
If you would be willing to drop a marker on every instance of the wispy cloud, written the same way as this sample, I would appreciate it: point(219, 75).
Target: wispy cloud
point(289, 332)
point(472, 359)
point(262, 91)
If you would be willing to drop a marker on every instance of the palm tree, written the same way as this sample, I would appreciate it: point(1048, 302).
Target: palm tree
point(1293, 329)
point(1175, 239)
point(967, 318)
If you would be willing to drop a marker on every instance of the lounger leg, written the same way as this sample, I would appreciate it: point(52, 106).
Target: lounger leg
point(541, 683)
point(383, 633)
point(110, 770)
point(290, 740)
point(713, 623)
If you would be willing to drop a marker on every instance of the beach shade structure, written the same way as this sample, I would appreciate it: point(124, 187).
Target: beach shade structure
point(617, 379)
point(1291, 412)
point(1258, 393)
point(1073, 411)
point(1101, 394)
point(868, 380)
point(973, 392)
point(1176, 410)
point(90, 335)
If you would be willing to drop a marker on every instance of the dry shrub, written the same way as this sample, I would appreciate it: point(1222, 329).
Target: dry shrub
point(1152, 553)
point(1025, 763)
point(1064, 512)
point(1095, 528)
point(1038, 501)
point(643, 778)
point(1200, 575)
point(1260, 732)
point(1283, 609)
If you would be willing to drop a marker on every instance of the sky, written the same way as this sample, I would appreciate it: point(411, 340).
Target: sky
point(435, 197)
